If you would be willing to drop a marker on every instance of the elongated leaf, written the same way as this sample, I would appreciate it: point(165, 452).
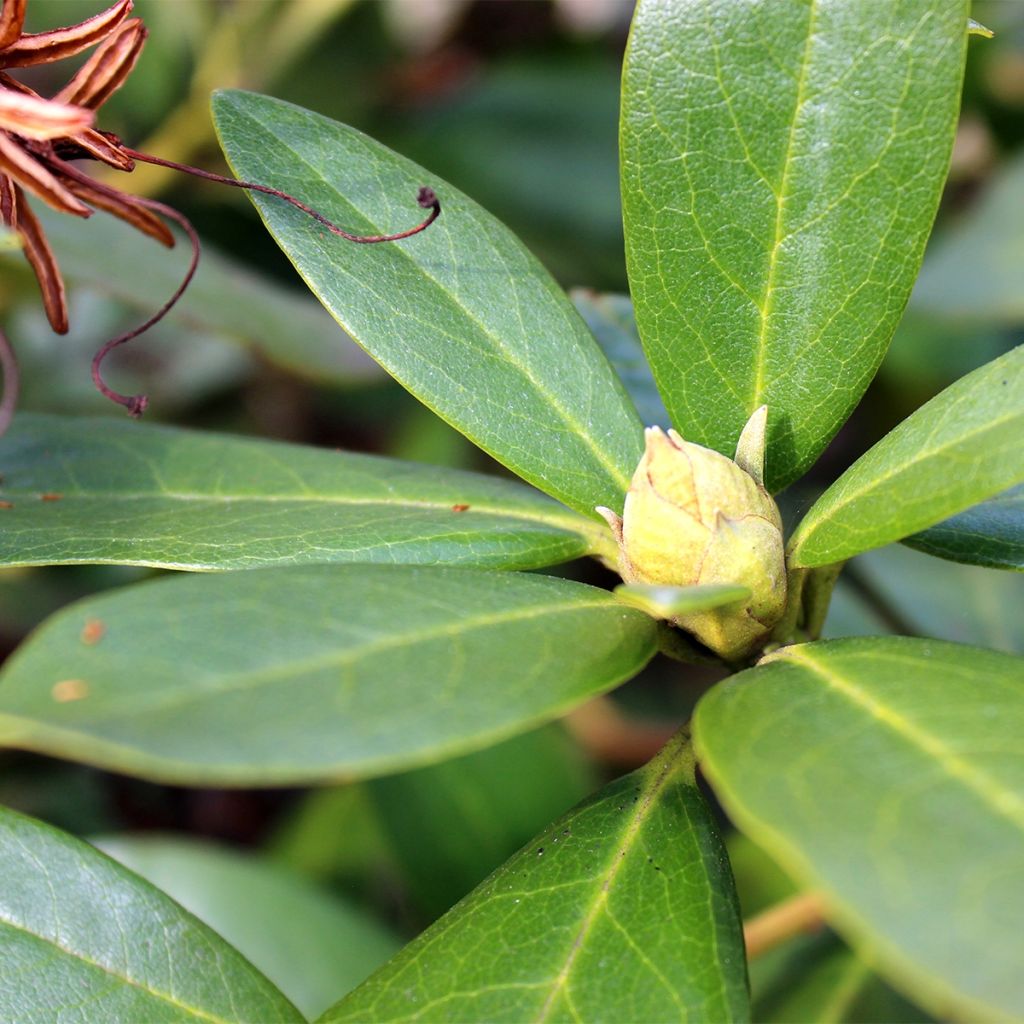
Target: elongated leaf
point(101, 490)
point(622, 910)
point(277, 676)
point(85, 939)
point(781, 167)
point(452, 824)
point(958, 449)
point(461, 314)
point(665, 602)
point(225, 297)
point(888, 773)
point(308, 942)
point(611, 321)
point(990, 533)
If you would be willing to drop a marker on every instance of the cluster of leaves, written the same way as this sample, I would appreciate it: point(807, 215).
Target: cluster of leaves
point(781, 168)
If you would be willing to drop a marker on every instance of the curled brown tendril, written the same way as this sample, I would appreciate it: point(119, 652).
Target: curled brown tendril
point(136, 404)
point(426, 198)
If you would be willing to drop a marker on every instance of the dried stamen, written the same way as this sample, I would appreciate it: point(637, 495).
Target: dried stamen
point(426, 198)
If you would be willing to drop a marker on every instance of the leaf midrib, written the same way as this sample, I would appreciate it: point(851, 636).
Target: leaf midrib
point(577, 430)
point(193, 1011)
point(995, 795)
point(332, 659)
point(675, 759)
point(765, 309)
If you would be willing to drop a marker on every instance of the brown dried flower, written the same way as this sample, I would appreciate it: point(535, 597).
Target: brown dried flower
point(40, 136)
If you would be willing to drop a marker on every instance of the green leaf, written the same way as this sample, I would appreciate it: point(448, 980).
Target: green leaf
point(928, 597)
point(990, 533)
point(611, 321)
point(278, 676)
point(972, 271)
point(622, 910)
point(85, 939)
point(304, 939)
point(225, 297)
point(666, 602)
point(452, 824)
point(145, 495)
point(461, 314)
point(960, 448)
point(781, 167)
point(887, 773)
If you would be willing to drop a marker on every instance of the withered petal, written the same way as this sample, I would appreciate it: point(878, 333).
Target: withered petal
point(8, 203)
point(12, 17)
point(36, 118)
point(99, 147)
point(126, 208)
point(40, 256)
point(30, 173)
point(108, 68)
point(46, 47)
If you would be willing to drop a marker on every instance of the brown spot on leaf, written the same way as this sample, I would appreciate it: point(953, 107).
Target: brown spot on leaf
point(6, 504)
point(69, 689)
point(92, 631)
point(50, 497)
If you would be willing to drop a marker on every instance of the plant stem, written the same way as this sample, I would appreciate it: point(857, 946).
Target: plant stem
point(794, 916)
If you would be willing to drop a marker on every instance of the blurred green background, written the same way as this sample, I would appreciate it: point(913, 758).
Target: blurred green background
point(516, 103)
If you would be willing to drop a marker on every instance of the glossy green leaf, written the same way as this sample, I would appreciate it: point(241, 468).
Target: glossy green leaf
point(781, 167)
point(888, 774)
point(666, 602)
point(277, 676)
point(452, 824)
point(972, 271)
point(990, 533)
point(611, 321)
point(918, 594)
point(461, 314)
point(958, 449)
point(623, 910)
point(84, 939)
point(103, 490)
point(224, 298)
point(305, 940)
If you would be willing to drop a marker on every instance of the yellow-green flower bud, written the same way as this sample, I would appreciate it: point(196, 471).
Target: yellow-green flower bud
point(693, 517)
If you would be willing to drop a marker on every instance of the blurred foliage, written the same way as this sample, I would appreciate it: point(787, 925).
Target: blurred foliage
point(516, 103)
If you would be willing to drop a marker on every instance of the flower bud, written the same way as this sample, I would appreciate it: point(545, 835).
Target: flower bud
point(693, 517)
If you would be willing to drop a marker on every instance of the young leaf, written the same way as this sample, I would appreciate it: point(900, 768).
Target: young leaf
point(462, 315)
point(85, 939)
point(665, 602)
point(781, 167)
point(990, 533)
point(312, 672)
point(960, 448)
point(622, 910)
point(103, 490)
point(306, 940)
point(886, 773)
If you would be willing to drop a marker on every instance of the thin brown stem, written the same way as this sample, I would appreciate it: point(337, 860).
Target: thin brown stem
point(12, 381)
point(426, 198)
point(795, 916)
